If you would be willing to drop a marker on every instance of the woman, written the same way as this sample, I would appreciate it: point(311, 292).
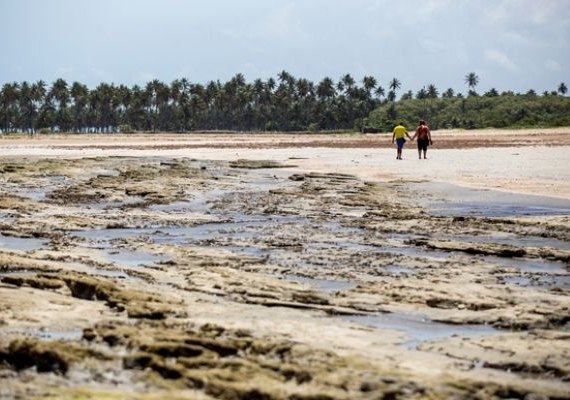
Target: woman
point(424, 138)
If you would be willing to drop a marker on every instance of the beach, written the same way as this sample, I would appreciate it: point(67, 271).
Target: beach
point(222, 265)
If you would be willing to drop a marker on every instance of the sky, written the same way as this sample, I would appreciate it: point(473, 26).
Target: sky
point(510, 44)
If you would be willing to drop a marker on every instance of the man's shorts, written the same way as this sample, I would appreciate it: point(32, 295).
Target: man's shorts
point(400, 143)
point(423, 144)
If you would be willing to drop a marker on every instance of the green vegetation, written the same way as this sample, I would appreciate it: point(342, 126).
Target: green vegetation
point(507, 110)
point(283, 104)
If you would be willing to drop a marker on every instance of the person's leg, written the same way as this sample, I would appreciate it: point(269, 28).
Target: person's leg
point(400, 144)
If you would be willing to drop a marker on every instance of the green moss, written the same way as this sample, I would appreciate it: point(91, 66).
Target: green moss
point(44, 356)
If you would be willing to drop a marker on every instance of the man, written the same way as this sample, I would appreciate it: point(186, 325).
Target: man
point(399, 135)
point(424, 138)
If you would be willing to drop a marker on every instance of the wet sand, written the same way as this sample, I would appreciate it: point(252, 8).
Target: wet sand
point(285, 267)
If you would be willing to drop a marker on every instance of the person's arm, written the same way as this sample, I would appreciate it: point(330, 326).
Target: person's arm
point(429, 135)
point(408, 136)
point(416, 133)
point(393, 136)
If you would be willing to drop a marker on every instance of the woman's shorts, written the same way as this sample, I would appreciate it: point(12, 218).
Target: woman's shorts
point(423, 144)
point(400, 142)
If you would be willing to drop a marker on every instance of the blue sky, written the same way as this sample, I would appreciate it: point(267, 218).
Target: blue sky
point(510, 44)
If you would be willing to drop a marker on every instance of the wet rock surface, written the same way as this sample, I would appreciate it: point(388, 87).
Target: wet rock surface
point(173, 277)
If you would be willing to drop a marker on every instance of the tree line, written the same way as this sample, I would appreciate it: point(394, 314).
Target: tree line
point(286, 103)
point(475, 111)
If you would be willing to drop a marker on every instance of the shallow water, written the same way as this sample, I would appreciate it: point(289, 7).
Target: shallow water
point(544, 282)
point(444, 199)
point(22, 244)
point(46, 334)
point(419, 329)
point(327, 244)
point(526, 264)
point(514, 240)
point(325, 285)
point(132, 258)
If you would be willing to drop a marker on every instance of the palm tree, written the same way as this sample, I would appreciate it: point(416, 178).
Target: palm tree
point(562, 89)
point(80, 95)
point(492, 93)
point(348, 83)
point(531, 93)
point(326, 89)
point(9, 101)
point(60, 93)
point(326, 93)
point(103, 100)
point(380, 92)
point(421, 94)
point(471, 79)
point(393, 85)
point(286, 78)
point(432, 92)
point(369, 83)
point(157, 94)
point(31, 99)
point(448, 93)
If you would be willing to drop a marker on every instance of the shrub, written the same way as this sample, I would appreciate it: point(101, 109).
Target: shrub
point(125, 128)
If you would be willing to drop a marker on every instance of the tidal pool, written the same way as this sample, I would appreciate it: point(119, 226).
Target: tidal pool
point(419, 329)
point(464, 201)
point(22, 244)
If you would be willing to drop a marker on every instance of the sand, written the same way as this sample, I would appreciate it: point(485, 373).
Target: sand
point(527, 161)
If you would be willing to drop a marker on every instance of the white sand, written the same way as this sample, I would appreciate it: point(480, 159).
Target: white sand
point(541, 170)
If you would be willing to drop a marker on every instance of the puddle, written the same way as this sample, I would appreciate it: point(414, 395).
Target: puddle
point(75, 334)
point(397, 270)
point(36, 194)
point(544, 282)
point(324, 285)
point(201, 203)
point(514, 240)
point(526, 264)
point(418, 329)
point(22, 244)
point(46, 334)
point(107, 235)
point(132, 258)
point(452, 201)
point(178, 207)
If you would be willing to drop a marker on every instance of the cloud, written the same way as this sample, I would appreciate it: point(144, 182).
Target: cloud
point(500, 59)
point(522, 13)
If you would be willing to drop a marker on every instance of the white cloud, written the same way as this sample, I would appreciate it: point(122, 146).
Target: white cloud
point(523, 13)
point(500, 59)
